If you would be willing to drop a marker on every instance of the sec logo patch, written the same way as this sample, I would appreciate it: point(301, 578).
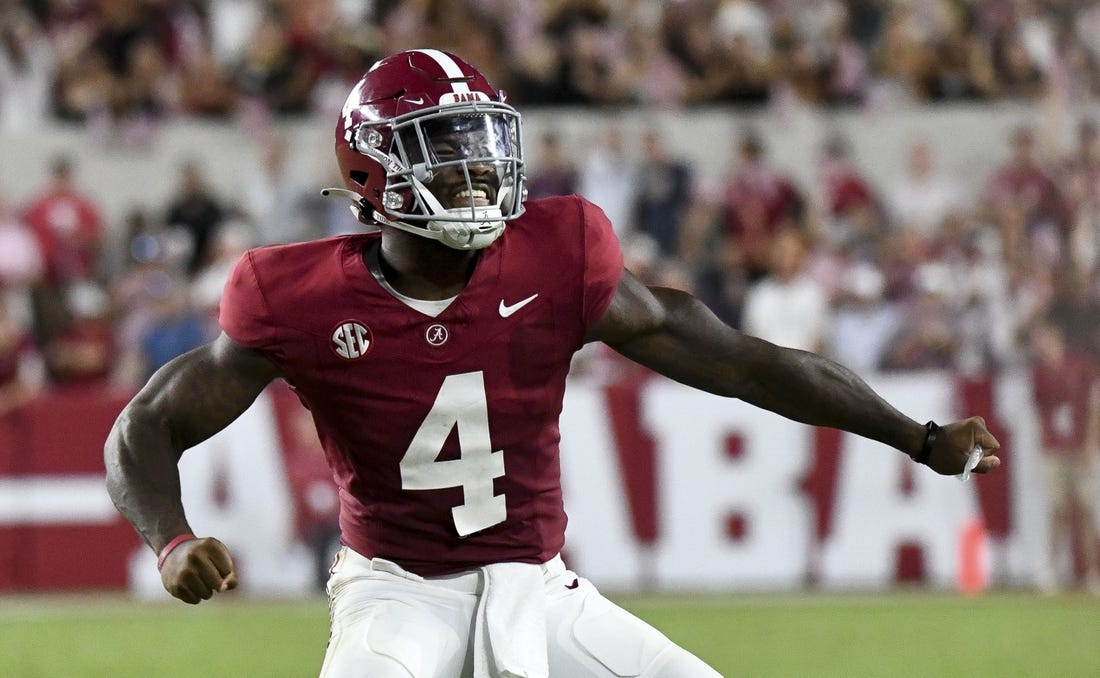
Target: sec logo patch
point(351, 340)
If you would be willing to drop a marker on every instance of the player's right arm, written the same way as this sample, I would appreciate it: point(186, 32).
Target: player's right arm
point(184, 403)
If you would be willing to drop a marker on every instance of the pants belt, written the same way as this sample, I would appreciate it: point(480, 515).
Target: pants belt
point(468, 581)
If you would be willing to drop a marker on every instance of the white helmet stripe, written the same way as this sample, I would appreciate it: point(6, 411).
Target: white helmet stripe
point(450, 68)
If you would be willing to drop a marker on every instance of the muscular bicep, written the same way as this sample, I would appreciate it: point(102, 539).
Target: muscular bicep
point(675, 334)
point(184, 403)
point(203, 391)
point(634, 311)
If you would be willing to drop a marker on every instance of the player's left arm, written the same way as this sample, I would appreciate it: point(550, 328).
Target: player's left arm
point(675, 334)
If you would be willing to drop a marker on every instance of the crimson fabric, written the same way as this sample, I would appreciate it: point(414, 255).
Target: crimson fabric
point(291, 301)
point(1062, 398)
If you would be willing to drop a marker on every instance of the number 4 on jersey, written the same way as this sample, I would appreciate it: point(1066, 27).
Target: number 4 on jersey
point(460, 402)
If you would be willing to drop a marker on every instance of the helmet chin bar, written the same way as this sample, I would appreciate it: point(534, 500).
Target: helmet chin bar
point(459, 235)
point(478, 232)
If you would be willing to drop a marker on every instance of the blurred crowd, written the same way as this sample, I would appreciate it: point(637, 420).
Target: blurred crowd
point(129, 64)
point(910, 275)
point(87, 303)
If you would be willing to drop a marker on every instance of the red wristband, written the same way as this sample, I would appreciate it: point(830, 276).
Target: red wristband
point(170, 546)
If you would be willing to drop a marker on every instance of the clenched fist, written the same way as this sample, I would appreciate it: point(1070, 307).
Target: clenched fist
point(954, 442)
point(197, 569)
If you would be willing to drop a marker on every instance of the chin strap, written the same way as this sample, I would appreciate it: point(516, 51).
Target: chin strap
point(357, 208)
point(342, 193)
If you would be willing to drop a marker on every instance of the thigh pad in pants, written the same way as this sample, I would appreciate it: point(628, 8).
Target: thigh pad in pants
point(591, 637)
point(404, 634)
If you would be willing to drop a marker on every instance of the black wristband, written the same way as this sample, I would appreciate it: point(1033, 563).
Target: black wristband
point(929, 440)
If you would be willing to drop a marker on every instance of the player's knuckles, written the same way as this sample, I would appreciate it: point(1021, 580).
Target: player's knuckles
point(223, 564)
point(196, 583)
point(197, 556)
point(218, 555)
point(209, 587)
point(181, 592)
point(209, 546)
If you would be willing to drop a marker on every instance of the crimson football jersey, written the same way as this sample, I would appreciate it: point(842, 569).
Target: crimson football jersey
point(1062, 395)
point(441, 432)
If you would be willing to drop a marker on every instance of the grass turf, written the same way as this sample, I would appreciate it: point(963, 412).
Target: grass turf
point(906, 634)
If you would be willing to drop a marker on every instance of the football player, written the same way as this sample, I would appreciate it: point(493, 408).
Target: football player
point(433, 357)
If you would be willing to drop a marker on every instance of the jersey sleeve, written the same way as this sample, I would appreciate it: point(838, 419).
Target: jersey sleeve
point(603, 262)
point(244, 314)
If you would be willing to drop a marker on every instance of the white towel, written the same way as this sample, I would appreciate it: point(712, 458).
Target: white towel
point(510, 624)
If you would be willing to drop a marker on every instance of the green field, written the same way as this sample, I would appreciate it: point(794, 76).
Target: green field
point(909, 634)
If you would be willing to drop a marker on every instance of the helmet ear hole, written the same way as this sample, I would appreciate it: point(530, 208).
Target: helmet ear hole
point(358, 176)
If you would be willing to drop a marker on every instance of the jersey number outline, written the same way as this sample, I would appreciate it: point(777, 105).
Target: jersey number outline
point(461, 403)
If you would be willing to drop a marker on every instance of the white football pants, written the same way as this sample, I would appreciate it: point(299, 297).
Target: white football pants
point(386, 622)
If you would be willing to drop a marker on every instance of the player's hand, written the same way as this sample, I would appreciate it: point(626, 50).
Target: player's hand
point(197, 569)
point(955, 442)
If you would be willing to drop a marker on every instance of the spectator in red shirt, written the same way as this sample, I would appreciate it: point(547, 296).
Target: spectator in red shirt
point(68, 226)
point(851, 205)
point(1066, 389)
point(69, 230)
point(759, 200)
point(84, 350)
point(1022, 185)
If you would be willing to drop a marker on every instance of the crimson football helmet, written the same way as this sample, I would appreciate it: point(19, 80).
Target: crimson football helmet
point(425, 117)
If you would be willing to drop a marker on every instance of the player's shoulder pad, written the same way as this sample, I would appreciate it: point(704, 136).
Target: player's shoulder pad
point(565, 216)
point(285, 270)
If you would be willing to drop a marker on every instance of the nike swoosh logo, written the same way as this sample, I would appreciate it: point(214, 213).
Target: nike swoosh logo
point(418, 100)
point(506, 310)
